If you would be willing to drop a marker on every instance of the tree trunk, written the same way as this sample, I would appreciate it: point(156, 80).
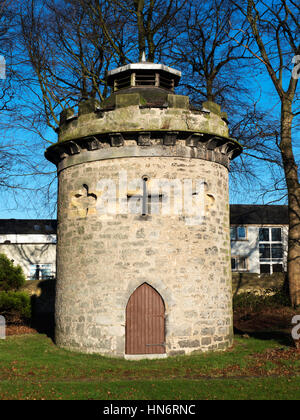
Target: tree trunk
point(209, 90)
point(139, 7)
point(293, 187)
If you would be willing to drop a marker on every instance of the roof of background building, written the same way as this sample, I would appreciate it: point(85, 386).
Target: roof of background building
point(27, 226)
point(242, 214)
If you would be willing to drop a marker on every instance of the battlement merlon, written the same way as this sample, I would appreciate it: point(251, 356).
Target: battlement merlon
point(134, 112)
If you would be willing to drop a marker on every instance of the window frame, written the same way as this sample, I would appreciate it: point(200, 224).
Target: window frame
point(238, 259)
point(42, 267)
point(236, 237)
point(271, 261)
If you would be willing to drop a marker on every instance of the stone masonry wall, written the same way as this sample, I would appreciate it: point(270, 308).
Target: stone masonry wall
point(103, 259)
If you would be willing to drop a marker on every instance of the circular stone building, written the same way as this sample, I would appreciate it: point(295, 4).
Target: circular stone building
point(143, 258)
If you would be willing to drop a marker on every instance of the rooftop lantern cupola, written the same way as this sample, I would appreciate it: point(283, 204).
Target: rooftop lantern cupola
point(143, 74)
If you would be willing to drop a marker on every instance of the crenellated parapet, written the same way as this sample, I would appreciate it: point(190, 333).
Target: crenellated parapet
point(140, 123)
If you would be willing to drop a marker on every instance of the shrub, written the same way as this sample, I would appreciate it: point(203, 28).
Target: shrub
point(247, 300)
point(15, 306)
point(269, 298)
point(11, 276)
point(280, 297)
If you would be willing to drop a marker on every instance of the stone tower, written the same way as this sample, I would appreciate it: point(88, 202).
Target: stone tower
point(137, 274)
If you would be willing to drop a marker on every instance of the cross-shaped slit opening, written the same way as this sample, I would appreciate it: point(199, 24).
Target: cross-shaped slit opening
point(146, 199)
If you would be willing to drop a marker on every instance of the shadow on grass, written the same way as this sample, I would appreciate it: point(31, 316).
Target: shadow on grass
point(44, 324)
point(43, 308)
point(283, 338)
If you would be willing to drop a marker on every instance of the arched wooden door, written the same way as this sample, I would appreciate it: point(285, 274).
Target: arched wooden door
point(145, 322)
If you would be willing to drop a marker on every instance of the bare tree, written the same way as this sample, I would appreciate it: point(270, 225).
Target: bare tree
point(149, 26)
point(7, 23)
point(210, 58)
point(158, 24)
point(65, 48)
point(68, 53)
point(71, 45)
point(275, 27)
point(214, 67)
point(10, 154)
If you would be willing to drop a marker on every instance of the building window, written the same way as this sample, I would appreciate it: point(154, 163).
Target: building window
point(238, 233)
point(270, 235)
point(239, 264)
point(270, 250)
point(264, 252)
point(276, 235)
point(265, 269)
point(277, 268)
point(41, 272)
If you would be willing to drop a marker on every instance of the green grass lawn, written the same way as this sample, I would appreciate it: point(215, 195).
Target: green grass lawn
point(32, 367)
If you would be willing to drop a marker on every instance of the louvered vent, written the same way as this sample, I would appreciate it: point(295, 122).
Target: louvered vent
point(123, 83)
point(145, 79)
point(166, 83)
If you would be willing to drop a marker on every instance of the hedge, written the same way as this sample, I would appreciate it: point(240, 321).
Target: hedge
point(15, 306)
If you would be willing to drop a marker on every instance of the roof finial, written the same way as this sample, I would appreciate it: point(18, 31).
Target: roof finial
point(143, 57)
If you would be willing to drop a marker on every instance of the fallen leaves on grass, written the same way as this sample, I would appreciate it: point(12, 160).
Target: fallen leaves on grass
point(19, 330)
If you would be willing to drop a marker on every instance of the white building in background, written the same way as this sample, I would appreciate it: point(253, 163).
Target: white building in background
point(259, 241)
point(259, 238)
point(31, 244)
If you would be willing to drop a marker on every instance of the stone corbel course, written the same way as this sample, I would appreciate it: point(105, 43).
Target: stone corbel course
point(144, 144)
